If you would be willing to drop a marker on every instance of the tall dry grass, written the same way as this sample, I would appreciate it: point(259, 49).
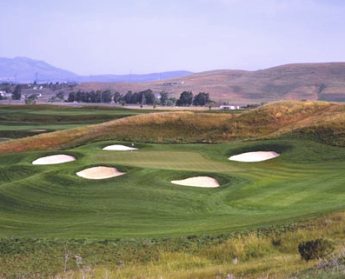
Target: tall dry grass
point(321, 119)
point(271, 254)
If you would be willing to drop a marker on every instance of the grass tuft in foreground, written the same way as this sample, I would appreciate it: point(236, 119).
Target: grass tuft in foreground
point(265, 253)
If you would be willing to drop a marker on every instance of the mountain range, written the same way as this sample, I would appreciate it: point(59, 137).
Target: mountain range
point(27, 70)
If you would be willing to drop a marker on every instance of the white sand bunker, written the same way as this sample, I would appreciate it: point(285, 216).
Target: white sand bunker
point(257, 156)
point(99, 173)
point(119, 147)
point(53, 159)
point(198, 181)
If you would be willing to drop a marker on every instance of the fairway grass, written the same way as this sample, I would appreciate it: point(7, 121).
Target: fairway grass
point(52, 202)
point(21, 121)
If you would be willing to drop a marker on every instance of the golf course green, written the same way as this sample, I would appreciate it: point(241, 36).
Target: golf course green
point(114, 193)
point(19, 121)
point(51, 201)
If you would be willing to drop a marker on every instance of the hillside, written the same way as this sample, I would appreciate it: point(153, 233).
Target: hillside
point(315, 81)
point(321, 120)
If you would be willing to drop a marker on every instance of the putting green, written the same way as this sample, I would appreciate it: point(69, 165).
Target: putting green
point(51, 201)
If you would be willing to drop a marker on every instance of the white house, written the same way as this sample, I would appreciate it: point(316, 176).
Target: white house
point(229, 107)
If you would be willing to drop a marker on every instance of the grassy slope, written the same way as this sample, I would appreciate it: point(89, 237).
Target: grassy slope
point(317, 119)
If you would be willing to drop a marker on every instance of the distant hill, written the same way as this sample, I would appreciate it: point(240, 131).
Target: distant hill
point(312, 81)
point(26, 70)
point(134, 77)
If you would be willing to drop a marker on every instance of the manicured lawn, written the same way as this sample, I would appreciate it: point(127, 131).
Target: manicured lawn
point(21, 121)
point(52, 202)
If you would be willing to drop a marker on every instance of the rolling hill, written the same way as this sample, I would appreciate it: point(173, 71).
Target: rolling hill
point(314, 81)
point(322, 121)
point(310, 81)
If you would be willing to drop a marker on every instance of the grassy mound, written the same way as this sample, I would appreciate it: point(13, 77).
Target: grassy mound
point(320, 120)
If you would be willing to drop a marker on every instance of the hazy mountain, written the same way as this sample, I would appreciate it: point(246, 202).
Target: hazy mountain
point(22, 70)
point(25, 70)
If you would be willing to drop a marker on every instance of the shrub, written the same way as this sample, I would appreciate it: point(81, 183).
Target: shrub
point(315, 249)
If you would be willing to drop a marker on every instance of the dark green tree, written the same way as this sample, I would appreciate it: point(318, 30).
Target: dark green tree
point(106, 96)
point(186, 99)
point(60, 95)
point(71, 97)
point(17, 93)
point(117, 97)
point(201, 99)
point(31, 99)
point(164, 98)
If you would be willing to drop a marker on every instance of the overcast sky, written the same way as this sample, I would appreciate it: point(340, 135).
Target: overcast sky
point(142, 36)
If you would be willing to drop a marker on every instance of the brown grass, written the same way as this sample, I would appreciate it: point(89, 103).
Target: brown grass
point(311, 81)
point(322, 120)
point(273, 255)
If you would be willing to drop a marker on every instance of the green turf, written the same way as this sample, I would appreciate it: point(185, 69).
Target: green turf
point(52, 202)
point(21, 121)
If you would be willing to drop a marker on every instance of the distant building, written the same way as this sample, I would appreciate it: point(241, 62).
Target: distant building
point(229, 107)
point(4, 94)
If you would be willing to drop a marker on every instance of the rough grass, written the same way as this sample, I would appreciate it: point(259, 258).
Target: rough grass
point(320, 120)
point(270, 253)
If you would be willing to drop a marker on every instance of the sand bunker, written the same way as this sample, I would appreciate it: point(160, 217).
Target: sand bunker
point(119, 147)
point(198, 181)
point(257, 156)
point(99, 173)
point(53, 159)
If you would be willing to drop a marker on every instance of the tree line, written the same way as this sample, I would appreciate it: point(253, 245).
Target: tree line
point(146, 97)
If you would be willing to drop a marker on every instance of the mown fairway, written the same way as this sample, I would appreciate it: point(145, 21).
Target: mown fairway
point(52, 202)
point(20, 121)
